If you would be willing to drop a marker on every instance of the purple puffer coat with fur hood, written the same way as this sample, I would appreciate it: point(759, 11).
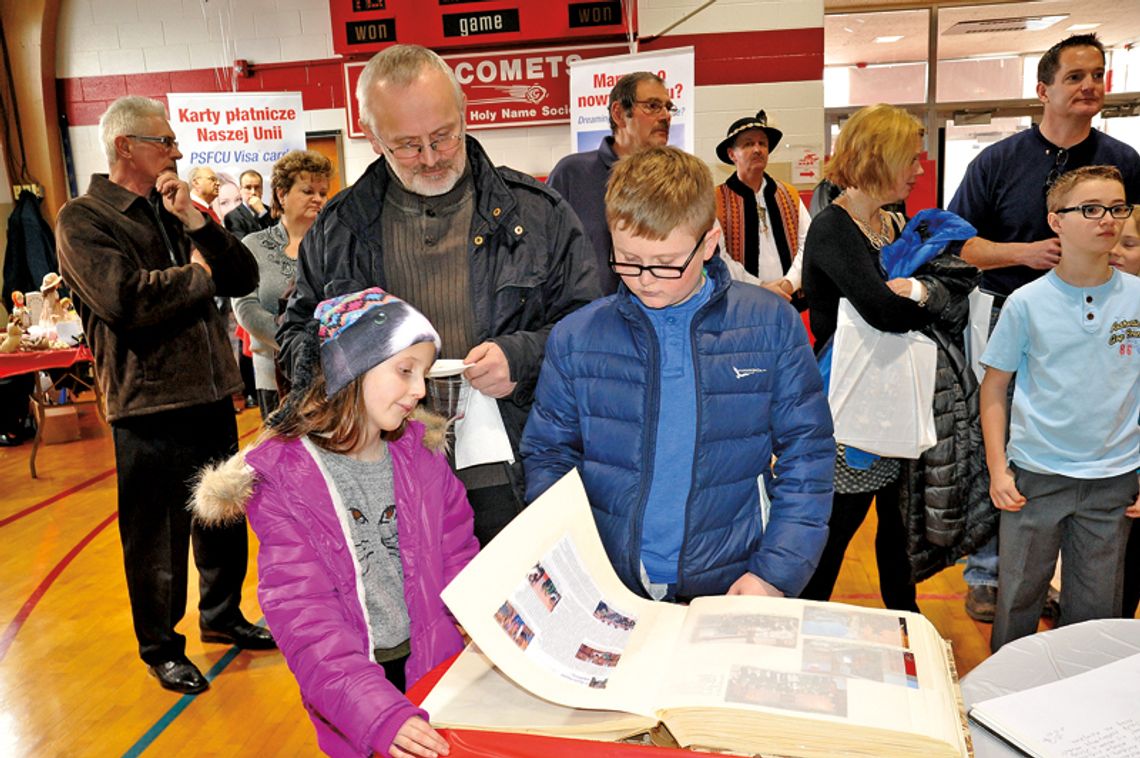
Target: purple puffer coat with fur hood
point(310, 588)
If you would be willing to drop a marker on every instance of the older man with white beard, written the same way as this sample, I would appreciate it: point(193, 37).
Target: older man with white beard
point(492, 257)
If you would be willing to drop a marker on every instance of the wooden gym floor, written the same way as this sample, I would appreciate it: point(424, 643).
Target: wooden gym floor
point(71, 683)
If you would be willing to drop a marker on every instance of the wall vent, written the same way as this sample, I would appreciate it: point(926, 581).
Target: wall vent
point(1018, 24)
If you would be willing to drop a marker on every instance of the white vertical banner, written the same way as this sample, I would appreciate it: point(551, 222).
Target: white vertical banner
point(592, 79)
point(234, 132)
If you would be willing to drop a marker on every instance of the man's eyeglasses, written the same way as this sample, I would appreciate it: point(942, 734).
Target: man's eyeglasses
point(656, 107)
point(661, 272)
point(1059, 163)
point(1096, 210)
point(168, 142)
point(409, 150)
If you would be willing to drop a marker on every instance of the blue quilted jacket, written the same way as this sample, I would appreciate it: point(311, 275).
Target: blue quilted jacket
point(760, 395)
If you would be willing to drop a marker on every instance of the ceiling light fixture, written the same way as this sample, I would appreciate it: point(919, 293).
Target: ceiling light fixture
point(888, 39)
point(1081, 27)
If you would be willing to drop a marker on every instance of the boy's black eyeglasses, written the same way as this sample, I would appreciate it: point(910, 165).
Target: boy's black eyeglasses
point(167, 142)
point(1096, 210)
point(661, 272)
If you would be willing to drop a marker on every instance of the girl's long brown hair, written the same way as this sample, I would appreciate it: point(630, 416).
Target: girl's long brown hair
point(334, 423)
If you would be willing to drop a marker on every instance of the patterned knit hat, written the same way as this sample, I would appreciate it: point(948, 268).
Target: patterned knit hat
point(364, 329)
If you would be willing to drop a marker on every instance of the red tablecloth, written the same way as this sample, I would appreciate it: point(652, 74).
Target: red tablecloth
point(12, 364)
point(470, 744)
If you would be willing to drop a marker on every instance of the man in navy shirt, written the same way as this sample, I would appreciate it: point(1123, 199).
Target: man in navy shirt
point(640, 115)
point(1003, 195)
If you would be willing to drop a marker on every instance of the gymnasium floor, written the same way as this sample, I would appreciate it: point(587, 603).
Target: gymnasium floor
point(71, 683)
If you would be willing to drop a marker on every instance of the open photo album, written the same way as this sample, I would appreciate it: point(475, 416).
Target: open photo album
point(561, 647)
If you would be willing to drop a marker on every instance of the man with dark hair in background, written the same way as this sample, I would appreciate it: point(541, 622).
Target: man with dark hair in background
point(640, 115)
point(1003, 195)
point(250, 215)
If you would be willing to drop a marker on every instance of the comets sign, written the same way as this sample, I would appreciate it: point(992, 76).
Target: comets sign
point(505, 88)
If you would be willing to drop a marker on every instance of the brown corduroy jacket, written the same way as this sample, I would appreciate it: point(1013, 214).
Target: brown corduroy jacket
point(158, 338)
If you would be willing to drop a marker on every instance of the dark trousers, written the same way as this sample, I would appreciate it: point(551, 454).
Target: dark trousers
point(1132, 571)
point(493, 508)
point(245, 366)
point(1084, 520)
point(267, 401)
point(157, 457)
point(847, 514)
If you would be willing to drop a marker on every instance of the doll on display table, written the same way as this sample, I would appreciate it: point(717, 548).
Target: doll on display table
point(52, 312)
point(20, 313)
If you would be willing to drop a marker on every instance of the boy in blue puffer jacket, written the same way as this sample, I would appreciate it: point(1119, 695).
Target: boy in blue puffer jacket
point(673, 395)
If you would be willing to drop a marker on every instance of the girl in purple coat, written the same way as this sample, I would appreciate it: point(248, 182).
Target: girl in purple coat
point(361, 524)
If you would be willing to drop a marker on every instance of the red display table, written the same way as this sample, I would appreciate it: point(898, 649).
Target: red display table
point(70, 360)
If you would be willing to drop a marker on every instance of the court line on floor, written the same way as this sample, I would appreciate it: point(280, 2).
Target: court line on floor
point(81, 486)
point(29, 605)
point(156, 729)
point(57, 497)
point(26, 609)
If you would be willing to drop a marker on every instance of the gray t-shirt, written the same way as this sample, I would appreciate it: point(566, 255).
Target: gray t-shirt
point(368, 495)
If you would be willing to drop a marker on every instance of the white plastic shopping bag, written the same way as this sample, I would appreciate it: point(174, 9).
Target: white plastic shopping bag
point(882, 388)
point(978, 330)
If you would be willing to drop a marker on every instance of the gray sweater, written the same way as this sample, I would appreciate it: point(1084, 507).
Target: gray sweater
point(257, 311)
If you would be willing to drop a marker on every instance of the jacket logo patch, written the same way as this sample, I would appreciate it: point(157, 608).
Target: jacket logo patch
point(743, 372)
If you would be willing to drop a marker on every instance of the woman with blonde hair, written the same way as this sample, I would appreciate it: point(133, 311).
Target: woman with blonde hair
point(300, 186)
point(877, 163)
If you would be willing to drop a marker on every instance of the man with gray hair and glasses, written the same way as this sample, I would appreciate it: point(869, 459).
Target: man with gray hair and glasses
point(640, 115)
point(491, 257)
point(144, 266)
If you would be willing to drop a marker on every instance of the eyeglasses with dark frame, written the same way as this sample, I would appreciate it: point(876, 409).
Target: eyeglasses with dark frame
point(1059, 163)
point(409, 150)
point(661, 272)
point(654, 107)
point(169, 143)
point(1097, 210)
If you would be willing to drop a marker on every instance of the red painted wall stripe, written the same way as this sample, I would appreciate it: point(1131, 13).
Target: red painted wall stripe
point(763, 57)
point(781, 55)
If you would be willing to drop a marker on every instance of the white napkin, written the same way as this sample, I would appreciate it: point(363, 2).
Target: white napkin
point(480, 436)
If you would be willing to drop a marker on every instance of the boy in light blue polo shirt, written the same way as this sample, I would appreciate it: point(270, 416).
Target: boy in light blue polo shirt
point(1069, 470)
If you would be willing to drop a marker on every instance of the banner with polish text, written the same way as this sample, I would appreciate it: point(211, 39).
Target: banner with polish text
point(234, 132)
point(591, 81)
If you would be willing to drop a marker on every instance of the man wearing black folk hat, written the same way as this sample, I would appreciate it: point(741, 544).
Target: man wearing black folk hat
point(764, 220)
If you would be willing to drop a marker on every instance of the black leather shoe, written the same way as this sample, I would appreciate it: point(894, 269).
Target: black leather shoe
point(179, 675)
point(243, 634)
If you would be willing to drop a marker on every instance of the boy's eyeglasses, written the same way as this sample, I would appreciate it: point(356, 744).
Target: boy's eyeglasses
point(661, 272)
point(1096, 210)
point(168, 142)
point(656, 107)
point(409, 150)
